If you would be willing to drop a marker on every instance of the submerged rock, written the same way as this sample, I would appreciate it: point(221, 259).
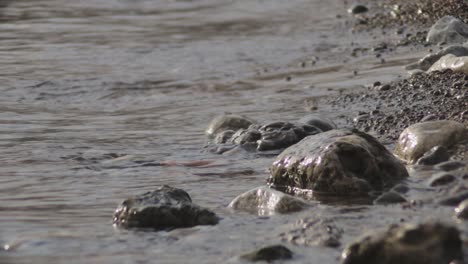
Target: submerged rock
point(448, 29)
point(340, 162)
point(441, 179)
point(430, 243)
point(318, 121)
point(390, 197)
point(451, 165)
point(263, 137)
point(227, 122)
point(419, 138)
point(434, 156)
point(266, 201)
point(314, 232)
point(270, 253)
point(164, 208)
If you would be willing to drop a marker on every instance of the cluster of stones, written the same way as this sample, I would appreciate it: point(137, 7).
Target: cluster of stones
point(230, 131)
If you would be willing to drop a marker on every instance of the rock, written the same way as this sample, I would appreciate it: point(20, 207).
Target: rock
point(320, 122)
point(390, 197)
point(434, 156)
point(452, 62)
point(279, 135)
point(358, 9)
point(455, 199)
point(270, 253)
point(266, 201)
point(461, 211)
point(400, 188)
point(227, 122)
point(448, 29)
point(427, 61)
point(164, 208)
point(419, 138)
point(314, 232)
point(441, 179)
point(266, 137)
point(429, 243)
point(450, 165)
point(341, 162)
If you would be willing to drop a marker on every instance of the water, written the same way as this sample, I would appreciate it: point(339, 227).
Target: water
point(88, 87)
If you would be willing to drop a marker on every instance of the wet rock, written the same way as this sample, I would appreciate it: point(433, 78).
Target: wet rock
point(450, 165)
point(270, 253)
point(227, 122)
point(434, 156)
point(390, 197)
point(421, 137)
point(320, 122)
point(266, 201)
point(314, 232)
point(400, 188)
point(461, 211)
point(441, 179)
point(357, 9)
point(427, 61)
point(164, 208)
point(448, 29)
point(429, 243)
point(454, 199)
point(279, 135)
point(451, 62)
point(340, 162)
point(223, 137)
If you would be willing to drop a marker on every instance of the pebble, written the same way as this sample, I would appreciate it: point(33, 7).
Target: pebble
point(462, 210)
point(358, 9)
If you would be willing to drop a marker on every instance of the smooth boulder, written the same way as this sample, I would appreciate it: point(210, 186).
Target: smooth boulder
point(162, 209)
point(340, 162)
point(267, 201)
point(451, 62)
point(427, 61)
point(448, 29)
point(419, 138)
point(429, 243)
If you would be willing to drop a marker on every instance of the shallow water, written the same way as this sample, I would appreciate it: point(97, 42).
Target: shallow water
point(90, 87)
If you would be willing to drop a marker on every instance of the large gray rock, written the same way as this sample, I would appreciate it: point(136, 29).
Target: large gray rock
point(340, 162)
point(430, 243)
point(419, 138)
point(227, 122)
point(427, 61)
point(164, 208)
point(448, 30)
point(266, 201)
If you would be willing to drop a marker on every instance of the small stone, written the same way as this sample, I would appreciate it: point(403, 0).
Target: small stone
point(269, 253)
point(434, 156)
point(462, 210)
point(358, 9)
point(441, 179)
point(450, 165)
point(384, 87)
point(318, 121)
point(390, 197)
